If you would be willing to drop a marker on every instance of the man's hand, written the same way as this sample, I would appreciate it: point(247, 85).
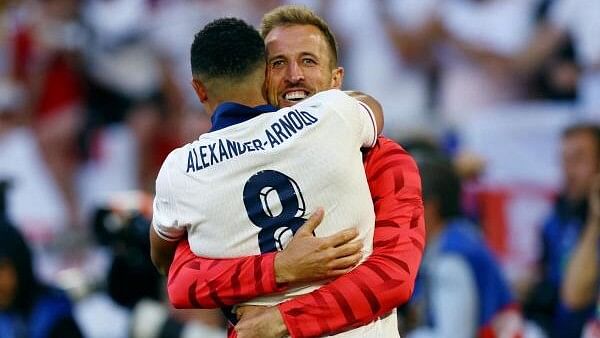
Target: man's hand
point(260, 322)
point(308, 258)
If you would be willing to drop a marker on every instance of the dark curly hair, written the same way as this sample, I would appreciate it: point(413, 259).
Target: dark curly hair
point(227, 48)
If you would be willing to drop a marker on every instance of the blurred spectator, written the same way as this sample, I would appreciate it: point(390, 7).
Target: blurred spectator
point(556, 78)
point(120, 60)
point(562, 231)
point(172, 28)
point(154, 140)
point(515, 193)
point(578, 19)
point(475, 35)
point(461, 287)
point(373, 64)
point(466, 42)
point(582, 279)
point(129, 93)
point(136, 95)
point(46, 60)
point(35, 202)
point(27, 307)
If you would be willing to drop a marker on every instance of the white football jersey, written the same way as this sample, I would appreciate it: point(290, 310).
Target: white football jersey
point(245, 189)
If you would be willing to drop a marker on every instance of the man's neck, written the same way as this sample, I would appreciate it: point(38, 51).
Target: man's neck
point(250, 98)
point(250, 101)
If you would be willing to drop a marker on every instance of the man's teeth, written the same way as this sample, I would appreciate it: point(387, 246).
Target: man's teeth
point(295, 96)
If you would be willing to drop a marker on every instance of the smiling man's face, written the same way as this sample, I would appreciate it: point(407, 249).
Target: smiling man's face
point(298, 64)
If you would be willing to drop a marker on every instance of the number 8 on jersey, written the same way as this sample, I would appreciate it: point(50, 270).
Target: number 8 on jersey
point(261, 192)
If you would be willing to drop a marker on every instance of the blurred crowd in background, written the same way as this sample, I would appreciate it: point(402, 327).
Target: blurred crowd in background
point(95, 93)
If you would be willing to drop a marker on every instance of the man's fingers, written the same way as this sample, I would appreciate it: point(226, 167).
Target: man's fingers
point(340, 237)
point(312, 223)
point(346, 262)
point(240, 311)
point(347, 249)
point(339, 272)
point(249, 310)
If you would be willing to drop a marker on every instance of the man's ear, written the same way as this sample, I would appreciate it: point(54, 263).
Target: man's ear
point(337, 77)
point(200, 90)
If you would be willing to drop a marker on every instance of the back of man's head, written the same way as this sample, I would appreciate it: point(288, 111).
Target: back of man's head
point(227, 52)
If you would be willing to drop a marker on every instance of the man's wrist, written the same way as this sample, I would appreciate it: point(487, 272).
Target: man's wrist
point(281, 274)
point(278, 322)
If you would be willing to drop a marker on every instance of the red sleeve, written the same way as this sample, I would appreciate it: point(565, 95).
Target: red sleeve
point(199, 282)
point(386, 278)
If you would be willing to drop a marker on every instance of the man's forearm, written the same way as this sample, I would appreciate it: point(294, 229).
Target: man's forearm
point(161, 252)
point(199, 282)
point(204, 282)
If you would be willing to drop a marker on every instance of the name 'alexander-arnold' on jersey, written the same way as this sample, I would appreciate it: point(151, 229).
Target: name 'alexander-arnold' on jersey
point(210, 154)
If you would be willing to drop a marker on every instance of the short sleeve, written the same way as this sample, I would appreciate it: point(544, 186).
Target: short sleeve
point(164, 218)
point(357, 115)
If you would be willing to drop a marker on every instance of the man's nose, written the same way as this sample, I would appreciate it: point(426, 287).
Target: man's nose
point(295, 73)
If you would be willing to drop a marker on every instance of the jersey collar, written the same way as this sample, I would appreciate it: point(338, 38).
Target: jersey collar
point(230, 113)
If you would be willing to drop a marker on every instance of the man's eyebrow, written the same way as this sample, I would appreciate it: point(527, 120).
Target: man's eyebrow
point(276, 56)
point(283, 56)
point(309, 54)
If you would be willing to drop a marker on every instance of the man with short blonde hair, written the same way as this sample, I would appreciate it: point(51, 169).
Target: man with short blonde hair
point(299, 15)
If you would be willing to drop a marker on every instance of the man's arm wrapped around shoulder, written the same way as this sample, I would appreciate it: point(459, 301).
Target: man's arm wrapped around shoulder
point(200, 282)
point(196, 282)
point(385, 280)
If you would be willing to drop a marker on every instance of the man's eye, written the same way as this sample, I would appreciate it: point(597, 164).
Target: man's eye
point(309, 62)
point(277, 63)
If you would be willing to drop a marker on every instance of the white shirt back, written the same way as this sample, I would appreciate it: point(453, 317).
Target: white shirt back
point(245, 189)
